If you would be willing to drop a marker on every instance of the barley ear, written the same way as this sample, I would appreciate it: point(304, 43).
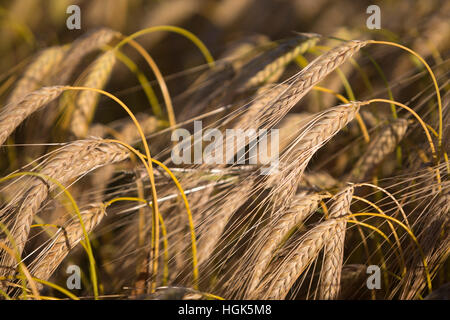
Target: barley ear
point(334, 247)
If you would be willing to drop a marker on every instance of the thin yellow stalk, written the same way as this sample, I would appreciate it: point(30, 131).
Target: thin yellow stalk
point(438, 94)
point(150, 168)
point(411, 234)
point(86, 243)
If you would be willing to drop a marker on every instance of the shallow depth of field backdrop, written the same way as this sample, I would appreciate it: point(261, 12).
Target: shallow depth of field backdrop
point(93, 205)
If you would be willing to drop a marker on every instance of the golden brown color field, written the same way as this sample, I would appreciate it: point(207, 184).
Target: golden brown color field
point(88, 177)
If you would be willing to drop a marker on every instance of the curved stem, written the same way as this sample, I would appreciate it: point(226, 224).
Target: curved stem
point(178, 30)
point(160, 78)
point(411, 234)
point(77, 210)
point(155, 246)
point(438, 94)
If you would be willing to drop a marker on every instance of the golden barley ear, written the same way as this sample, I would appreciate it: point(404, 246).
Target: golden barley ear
point(279, 279)
point(15, 113)
point(64, 242)
point(37, 72)
point(330, 277)
point(84, 45)
point(302, 206)
point(72, 161)
point(381, 146)
point(86, 101)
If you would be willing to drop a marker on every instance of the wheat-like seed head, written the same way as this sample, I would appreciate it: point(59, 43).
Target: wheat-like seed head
point(277, 66)
point(278, 284)
point(213, 230)
point(264, 95)
point(334, 247)
point(279, 281)
point(433, 237)
point(317, 133)
point(80, 48)
point(86, 101)
point(42, 66)
point(74, 160)
point(303, 82)
point(302, 206)
point(15, 113)
point(64, 242)
point(381, 146)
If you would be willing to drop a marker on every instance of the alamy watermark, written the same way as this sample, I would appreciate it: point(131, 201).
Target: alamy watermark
point(374, 280)
point(74, 20)
point(235, 146)
point(374, 20)
point(74, 280)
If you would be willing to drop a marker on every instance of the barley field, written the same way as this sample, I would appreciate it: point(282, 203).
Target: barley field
point(134, 150)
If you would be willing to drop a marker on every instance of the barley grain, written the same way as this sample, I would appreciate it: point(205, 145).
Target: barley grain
point(302, 206)
point(86, 101)
point(14, 114)
point(381, 146)
point(334, 248)
point(306, 251)
point(74, 160)
point(35, 74)
point(61, 246)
